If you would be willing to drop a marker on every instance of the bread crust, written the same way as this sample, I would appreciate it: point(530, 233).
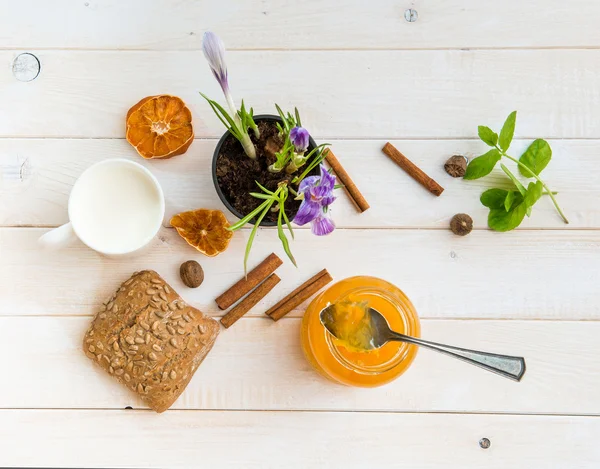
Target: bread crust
point(149, 339)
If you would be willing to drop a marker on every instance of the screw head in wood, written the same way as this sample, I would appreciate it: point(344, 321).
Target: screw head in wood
point(411, 15)
point(485, 443)
point(26, 67)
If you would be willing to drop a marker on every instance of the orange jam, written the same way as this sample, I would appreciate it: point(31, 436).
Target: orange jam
point(350, 325)
point(340, 360)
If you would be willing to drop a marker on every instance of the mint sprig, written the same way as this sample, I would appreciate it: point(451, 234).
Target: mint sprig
point(508, 208)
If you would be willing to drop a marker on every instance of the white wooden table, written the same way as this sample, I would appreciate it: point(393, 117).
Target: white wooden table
point(361, 74)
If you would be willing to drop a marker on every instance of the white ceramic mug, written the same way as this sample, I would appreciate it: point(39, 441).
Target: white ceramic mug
point(116, 207)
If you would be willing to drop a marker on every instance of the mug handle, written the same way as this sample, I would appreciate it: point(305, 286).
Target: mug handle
point(58, 237)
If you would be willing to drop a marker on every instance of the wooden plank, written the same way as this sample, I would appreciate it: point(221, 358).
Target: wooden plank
point(244, 24)
point(37, 176)
point(526, 274)
point(295, 440)
point(87, 94)
point(259, 365)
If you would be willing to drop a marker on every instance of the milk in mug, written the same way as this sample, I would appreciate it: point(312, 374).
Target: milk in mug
point(115, 207)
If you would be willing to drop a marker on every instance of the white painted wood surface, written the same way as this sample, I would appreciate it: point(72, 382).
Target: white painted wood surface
point(38, 175)
point(296, 439)
point(357, 94)
point(278, 377)
point(286, 24)
point(361, 75)
point(533, 274)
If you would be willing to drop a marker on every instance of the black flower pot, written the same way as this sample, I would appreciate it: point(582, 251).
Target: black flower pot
point(227, 135)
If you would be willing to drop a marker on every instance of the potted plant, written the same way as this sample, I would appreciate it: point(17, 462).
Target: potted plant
point(267, 170)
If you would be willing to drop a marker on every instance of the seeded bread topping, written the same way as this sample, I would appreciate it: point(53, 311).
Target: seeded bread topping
point(149, 339)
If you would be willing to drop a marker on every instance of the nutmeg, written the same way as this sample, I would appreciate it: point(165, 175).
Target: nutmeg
point(461, 224)
point(191, 274)
point(456, 166)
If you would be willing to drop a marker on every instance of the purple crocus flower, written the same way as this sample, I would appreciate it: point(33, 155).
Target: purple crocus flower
point(299, 138)
point(214, 51)
point(317, 192)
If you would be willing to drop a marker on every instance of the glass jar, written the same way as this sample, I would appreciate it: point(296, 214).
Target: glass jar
point(357, 368)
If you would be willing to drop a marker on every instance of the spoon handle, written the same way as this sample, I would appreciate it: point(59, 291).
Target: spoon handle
point(504, 365)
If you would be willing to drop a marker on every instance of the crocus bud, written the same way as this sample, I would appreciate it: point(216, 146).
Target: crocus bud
point(214, 51)
point(299, 138)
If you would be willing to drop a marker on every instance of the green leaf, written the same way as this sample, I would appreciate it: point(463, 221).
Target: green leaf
point(317, 160)
point(520, 186)
point(508, 202)
point(514, 179)
point(280, 112)
point(487, 135)
point(258, 195)
point(482, 165)
point(283, 238)
point(494, 198)
point(231, 129)
point(534, 193)
point(508, 130)
point(536, 158)
point(223, 116)
point(248, 217)
point(519, 200)
point(286, 219)
point(253, 126)
point(268, 203)
point(501, 220)
point(264, 189)
point(501, 199)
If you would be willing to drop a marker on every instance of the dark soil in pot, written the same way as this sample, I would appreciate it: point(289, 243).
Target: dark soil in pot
point(236, 174)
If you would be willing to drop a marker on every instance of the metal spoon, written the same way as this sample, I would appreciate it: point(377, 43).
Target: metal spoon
point(380, 334)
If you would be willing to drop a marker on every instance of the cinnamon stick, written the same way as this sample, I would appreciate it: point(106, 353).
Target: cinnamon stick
point(412, 169)
point(299, 295)
point(250, 301)
point(359, 201)
point(254, 277)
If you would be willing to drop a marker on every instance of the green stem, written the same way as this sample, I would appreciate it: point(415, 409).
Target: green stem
point(550, 193)
point(291, 167)
point(232, 109)
point(274, 168)
point(247, 144)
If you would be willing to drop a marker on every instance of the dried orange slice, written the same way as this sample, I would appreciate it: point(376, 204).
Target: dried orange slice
point(160, 127)
point(206, 230)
